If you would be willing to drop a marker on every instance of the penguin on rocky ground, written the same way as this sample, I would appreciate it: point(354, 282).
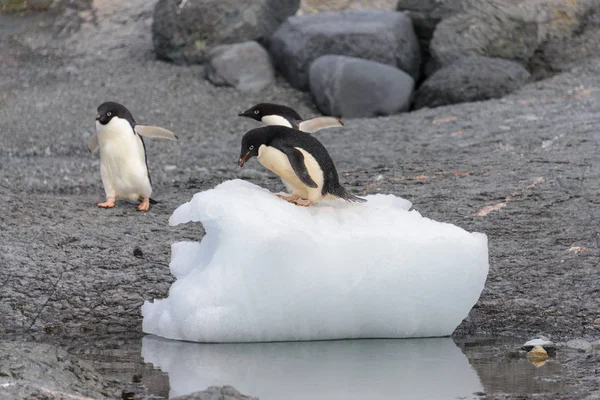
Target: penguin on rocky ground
point(123, 159)
point(300, 160)
point(276, 114)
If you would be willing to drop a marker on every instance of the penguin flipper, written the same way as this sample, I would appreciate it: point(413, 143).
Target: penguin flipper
point(296, 159)
point(316, 124)
point(93, 145)
point(155, 132)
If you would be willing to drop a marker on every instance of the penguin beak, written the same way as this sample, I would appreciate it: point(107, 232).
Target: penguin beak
point(97, 117)
point(243, 159)
point(243, 114)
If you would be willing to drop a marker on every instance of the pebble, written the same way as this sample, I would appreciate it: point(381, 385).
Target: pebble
point(596, 345)
point(542, 342)
point(579, 344)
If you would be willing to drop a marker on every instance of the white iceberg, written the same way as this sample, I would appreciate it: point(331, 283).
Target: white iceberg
point(268, 270)
point(432, 369)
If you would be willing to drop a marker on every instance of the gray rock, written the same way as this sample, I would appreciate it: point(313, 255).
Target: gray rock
point(350, 87)
point(579, 344)
point(596, 345)
point(184, 30)
point(425, 15)
point(31, 370)
point(245, 66)
point(216, 393)
point(470, 79)
point(507, 29)
point(383, 36)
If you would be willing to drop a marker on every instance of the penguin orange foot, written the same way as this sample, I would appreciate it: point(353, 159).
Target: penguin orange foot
point(302, 202)
point(291, 198)
point(144, 205)
point(109, 203)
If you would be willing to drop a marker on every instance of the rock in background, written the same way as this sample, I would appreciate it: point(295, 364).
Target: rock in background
point(471, 79)
point(383, 36)
point(245, 66)
point(425, 15)
point(510, 29)
point(183, 31)
point(350, 87)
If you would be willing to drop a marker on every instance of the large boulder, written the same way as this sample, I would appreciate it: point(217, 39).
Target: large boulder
point(383, 36)
point(470, 79)
point(245, 66)
point(425, 15)
point(350, 87)
point(508, 29)
point(184, 30)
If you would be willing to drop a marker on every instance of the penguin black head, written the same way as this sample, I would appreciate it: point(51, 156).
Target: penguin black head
point(265, 109)
point(109, 110)
point(252, 141)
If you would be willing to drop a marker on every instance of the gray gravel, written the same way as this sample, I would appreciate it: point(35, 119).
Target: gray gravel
point(525, 170)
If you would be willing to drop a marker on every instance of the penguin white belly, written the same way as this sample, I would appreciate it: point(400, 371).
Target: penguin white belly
point(275, 120)
point(278, 162)
point(123, 162)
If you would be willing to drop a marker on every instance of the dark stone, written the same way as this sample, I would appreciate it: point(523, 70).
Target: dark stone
point(245, 66)
point(137, 252)
point(350, 87)
point(216, 393)
point(183, 31)
point(383, 36)
point(470, 79)
point(42, 371)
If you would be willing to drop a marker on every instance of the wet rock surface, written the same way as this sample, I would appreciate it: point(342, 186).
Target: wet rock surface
point(523, 169)
point(43, 371)
point(383, 36)
point(350, 87)
point(470, 79)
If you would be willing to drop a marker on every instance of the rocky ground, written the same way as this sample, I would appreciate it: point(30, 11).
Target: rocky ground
point(524, 169)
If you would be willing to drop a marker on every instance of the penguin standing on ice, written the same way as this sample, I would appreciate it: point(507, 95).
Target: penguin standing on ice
point(276, 114)
point(123, 160)
point(300, 160)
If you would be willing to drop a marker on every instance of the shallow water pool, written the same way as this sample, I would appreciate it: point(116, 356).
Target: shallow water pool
point(438, 368)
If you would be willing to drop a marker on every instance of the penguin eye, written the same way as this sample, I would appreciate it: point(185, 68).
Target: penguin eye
point(256, 111)
point(108, 114)
point(251, 147)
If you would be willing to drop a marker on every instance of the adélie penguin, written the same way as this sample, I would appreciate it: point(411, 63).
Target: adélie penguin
point(276, 114)
point(123, 160)
point(300, 160)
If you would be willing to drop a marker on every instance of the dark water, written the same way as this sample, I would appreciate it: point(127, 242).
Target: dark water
point(347, 369)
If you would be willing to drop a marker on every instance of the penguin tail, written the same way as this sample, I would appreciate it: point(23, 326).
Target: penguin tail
point(351, 198)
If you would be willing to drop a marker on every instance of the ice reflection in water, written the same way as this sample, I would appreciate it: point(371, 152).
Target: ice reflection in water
point(347, 369)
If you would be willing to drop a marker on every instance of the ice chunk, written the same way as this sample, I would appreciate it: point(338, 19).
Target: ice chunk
point(268, 270)
point(328, 370)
